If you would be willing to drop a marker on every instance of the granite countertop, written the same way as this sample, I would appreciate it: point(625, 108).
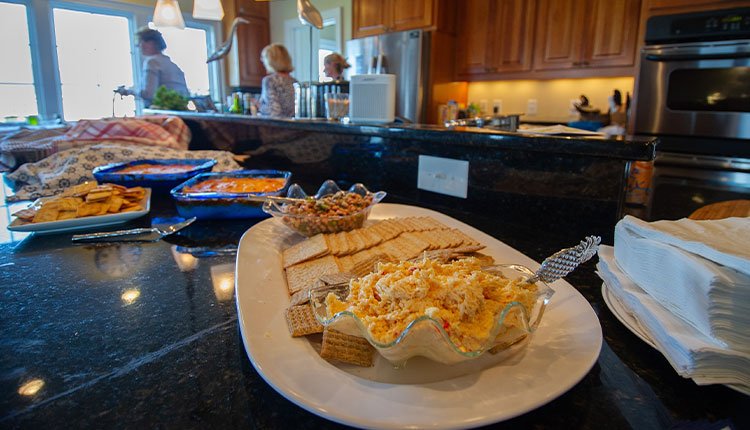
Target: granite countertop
point(146, 335)
point(621, 147)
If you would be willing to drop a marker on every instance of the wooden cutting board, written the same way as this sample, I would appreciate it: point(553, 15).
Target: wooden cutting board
point(731, 208)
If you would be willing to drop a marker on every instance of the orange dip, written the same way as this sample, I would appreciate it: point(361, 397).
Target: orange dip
point(237, 185)
point(149, 169)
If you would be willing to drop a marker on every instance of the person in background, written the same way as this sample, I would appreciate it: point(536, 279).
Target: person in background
point(277, 88)
point(334, 65)
point(158, 69)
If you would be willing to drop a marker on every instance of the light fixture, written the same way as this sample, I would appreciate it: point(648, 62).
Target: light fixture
point(168, 14)
point(308, 14)
point(208, 9)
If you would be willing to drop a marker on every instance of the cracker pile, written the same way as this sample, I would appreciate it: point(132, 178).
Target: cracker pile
point(87, 199)
point(329, 259)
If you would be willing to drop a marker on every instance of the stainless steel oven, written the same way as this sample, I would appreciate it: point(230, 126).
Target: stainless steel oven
point(693, 92)
point(694, 75)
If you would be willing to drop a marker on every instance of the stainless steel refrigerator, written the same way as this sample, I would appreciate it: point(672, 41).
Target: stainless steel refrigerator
point(403, 54)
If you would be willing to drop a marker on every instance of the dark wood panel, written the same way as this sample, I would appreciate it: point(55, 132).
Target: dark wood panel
point(409, 14)
point(251, 39)
point(512, 35)
point(614, 33)
point(560, 26)
point(369, 17)
point(475, 41)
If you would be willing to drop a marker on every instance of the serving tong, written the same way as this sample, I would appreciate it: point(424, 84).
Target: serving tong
point(564, 261)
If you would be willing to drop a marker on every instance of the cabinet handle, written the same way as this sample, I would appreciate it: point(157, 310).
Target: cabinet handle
point(576, 63)
point(585, 63)
point(388, 28)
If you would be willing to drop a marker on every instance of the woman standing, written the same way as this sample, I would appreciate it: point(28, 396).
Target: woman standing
point(158, 69)
point(334, 65)
point(277, 88)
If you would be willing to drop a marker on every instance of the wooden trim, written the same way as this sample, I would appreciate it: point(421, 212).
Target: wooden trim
point(583, 72)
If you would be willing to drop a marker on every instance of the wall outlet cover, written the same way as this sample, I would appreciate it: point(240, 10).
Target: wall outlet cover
point(484, 106)
point(532, 106)
point(443, 175)
point(497, 106)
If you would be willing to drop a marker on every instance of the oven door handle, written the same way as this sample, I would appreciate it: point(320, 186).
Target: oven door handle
point(693, 57)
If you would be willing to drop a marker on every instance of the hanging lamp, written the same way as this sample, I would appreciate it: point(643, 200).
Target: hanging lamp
point(208, 9)
point(168, 14)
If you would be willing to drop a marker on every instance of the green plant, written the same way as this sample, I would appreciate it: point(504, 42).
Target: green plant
point(169, 99)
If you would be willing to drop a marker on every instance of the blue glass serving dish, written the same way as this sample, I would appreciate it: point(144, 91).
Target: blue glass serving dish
point(213, 205)
point(158, 182)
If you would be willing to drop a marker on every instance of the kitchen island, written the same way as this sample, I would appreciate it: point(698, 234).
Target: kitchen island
point(585, 176)
point(146, 335)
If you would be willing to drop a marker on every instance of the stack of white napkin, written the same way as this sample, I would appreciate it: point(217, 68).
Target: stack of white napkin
point(687, 283)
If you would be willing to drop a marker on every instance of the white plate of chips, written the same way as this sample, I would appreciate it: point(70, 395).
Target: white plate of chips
point(423, 394)
point(83, 223)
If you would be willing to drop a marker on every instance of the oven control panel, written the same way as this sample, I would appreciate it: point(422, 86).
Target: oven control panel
point(728, 24)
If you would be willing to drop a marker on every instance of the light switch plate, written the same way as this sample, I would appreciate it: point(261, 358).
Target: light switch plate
point(443, 175)
point(532, 106)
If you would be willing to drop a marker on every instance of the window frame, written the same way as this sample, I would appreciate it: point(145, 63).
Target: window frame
point(46, 74)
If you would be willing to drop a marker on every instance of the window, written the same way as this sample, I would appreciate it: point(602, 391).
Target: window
point(67, 57)
point(17, 96)
point(187, 48)
point(92, 67)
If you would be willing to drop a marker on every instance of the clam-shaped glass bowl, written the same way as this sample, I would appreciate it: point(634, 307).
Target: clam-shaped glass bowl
point(426, 337)
point(310, 225)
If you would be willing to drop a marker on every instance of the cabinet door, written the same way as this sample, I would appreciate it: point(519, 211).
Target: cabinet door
point(410, 14)
point(512, 35)
point(251, 39)
point(560, 26)
point(247, 8)
point(613, 34)
point(474, 43)
point(369, 17)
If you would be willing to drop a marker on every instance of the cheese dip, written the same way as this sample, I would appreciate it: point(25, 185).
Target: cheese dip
point(459, 295)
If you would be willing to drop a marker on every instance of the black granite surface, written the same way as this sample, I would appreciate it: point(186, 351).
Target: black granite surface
point(630, 148)
point(173, 357)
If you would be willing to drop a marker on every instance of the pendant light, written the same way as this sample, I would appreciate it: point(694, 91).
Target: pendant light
point(308, 14)
point(168, 14)
point(208, 9)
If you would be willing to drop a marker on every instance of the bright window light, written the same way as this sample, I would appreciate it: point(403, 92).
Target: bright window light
point(187, 48)
point(94, 58)
point(17, 96)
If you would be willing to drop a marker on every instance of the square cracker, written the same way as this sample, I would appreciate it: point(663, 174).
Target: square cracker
point(312, 247)
point(46, 214)
point(301, 321)
point(348, 349)
point(300, 275)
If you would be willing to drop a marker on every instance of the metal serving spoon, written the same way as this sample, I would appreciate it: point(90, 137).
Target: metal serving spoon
point(564, 261)
point(161, 231)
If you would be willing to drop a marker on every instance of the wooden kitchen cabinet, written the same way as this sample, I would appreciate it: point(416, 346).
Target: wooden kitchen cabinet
point(245, 67)
point(496, 36)
point(373, 17)
point(250, 41)
point(580, 34)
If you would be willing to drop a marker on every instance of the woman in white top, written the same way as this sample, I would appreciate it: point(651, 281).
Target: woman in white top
point(158, 69)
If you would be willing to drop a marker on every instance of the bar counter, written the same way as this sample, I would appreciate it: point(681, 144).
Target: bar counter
point(146, 336)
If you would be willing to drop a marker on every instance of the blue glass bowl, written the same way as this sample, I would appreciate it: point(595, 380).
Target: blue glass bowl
point(225, 205)
point(158, 182)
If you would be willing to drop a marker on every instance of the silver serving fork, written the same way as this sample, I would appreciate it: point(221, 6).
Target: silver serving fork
point(564, 261)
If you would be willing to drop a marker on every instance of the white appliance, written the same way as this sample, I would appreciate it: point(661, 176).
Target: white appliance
point(404, 54)
point(372, 99)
